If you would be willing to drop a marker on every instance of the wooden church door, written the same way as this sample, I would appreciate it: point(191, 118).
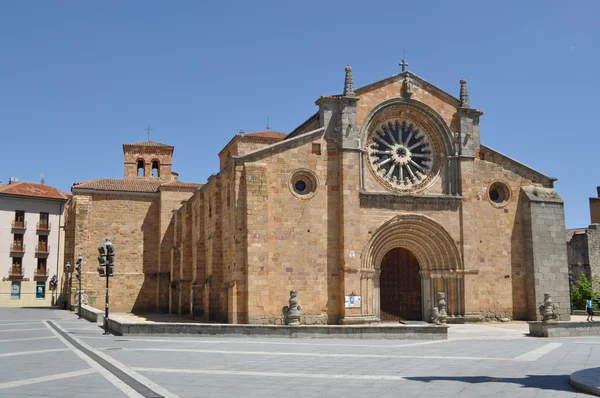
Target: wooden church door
point(400, 286)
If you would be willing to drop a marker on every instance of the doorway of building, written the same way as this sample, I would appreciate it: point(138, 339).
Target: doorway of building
point(400, 286)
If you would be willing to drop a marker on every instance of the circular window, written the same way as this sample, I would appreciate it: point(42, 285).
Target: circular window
point(499, 193)
point(303, 184)
point(401, 155)
point(300, 187)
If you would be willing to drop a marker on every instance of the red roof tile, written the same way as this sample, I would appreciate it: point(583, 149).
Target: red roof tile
point(33, 189)
point(148, 143)
point(574, 231)
point(138, 184)
point(120, 184)
point(182, 184)
point(265, 134)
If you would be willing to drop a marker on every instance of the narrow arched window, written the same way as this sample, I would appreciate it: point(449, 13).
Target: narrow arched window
point(140, 168)
point(155, 168)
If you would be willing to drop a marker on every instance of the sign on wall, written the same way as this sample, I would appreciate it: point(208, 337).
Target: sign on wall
point(40, 290)
point(352, 302)
point(15, 291)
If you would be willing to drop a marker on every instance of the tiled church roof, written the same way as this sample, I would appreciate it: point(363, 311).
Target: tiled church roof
point(131, 184)
point(32, 189)
point(182, 184)
point(148, 143)
point(120, 184)
point(265, 134)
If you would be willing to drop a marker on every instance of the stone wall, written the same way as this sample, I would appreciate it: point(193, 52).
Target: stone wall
point(131, 221)
point(593, 250)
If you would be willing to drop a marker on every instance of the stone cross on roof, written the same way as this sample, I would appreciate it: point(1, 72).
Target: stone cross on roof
point(403, 64)
point(148, 130)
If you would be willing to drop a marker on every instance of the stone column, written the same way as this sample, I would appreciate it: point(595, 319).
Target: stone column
point(546, 261)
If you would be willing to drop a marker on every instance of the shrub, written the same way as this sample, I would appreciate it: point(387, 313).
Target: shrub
point(581, 290)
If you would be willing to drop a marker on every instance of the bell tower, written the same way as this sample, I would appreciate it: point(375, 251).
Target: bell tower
point(148, 159)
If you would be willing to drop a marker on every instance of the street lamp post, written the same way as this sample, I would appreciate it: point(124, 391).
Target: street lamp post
point(69, 280)
point(78, 276)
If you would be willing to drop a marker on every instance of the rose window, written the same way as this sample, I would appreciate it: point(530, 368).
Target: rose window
point(400, 154)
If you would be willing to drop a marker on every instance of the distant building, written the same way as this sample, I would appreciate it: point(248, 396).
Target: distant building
point(583, 246)
point(31, 243)
point(135, 212)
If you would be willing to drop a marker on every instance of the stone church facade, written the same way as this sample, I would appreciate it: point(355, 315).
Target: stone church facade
point(384, 194)
point(382, 198)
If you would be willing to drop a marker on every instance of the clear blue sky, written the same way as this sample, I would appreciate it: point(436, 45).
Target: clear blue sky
point(80, 78)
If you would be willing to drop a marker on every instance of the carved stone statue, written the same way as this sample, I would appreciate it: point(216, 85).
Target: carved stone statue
point(292, 314)
point(439, 315)
point(408, 87)
point(549, 310)
point(84, 297)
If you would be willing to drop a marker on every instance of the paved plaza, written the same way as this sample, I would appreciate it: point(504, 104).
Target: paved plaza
point(51, 353)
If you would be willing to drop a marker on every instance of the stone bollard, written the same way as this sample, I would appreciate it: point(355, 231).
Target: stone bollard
point(548, 310)
point(441, 299)
point(292, 314)
point(439, 316)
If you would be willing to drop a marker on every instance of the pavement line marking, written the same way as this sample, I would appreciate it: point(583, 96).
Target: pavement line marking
point(137, 383)
point(15, 324)
point(310, 354)
point(20, 330)
point(18, 320)
point(59, 376)
point(273, 374)
point(536, 354)
point(30, 338)
point(287, 343)
point(94, 328)
point(130, 392)
point(14, 354)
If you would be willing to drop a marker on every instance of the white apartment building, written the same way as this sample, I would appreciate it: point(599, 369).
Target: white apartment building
point(31, 243)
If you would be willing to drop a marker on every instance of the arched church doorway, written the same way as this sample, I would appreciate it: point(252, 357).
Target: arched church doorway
point(400, 284)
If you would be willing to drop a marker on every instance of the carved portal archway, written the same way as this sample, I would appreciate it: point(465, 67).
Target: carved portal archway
point(435, 252)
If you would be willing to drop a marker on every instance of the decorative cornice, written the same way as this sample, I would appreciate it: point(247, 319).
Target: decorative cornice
point(393, 200)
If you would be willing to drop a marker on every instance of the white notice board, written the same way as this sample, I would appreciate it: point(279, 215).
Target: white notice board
point(352, 302)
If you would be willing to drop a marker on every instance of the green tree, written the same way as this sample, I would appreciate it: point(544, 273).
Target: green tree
point(581, 290)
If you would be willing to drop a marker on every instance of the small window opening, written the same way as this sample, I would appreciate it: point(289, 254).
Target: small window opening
point(19, 218)
point(140, 168)
point(316, 149)
point(155, 169)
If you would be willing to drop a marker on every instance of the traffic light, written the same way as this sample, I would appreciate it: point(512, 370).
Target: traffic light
point(110, 257)
point(106, 259)
point(101, 261)
point(78, 266)
point(68, 267)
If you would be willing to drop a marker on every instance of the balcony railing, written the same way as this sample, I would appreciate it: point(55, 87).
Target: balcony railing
point(15, 271)
point(40, 272)
point(43, 226)
point(42, 249)
point(19, 224)
point(17, 247)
